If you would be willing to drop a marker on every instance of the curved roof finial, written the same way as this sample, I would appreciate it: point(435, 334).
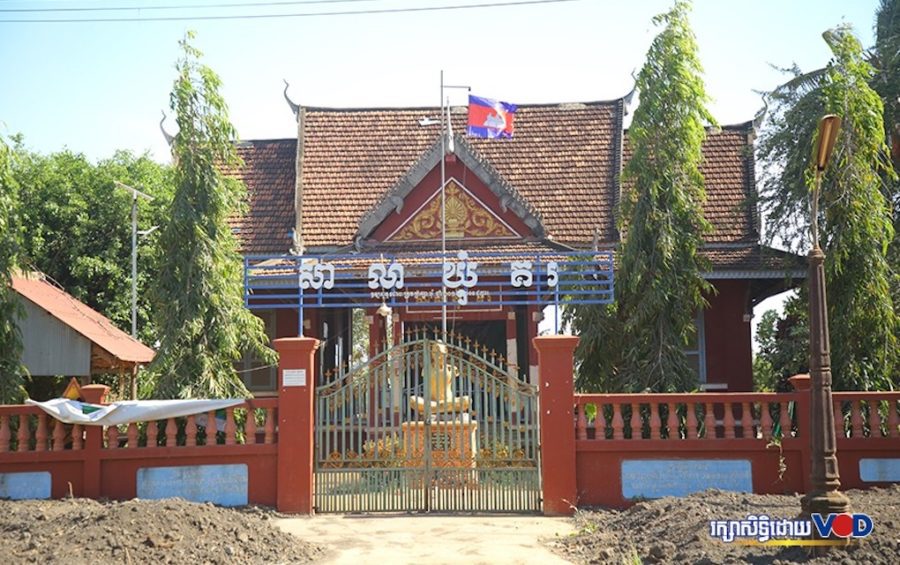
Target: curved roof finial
point(761, 115)
point(169, 138)
point(626, 100)
point(295, 108)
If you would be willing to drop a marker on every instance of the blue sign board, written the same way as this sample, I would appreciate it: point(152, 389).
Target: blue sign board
point(22, 486)
point(225, 485)
point(879, 470)
point(656, 478)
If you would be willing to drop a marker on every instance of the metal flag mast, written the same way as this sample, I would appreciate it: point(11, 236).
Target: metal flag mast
point(445, 125)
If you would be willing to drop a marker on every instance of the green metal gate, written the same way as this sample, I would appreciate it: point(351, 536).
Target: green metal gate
point(427, 425)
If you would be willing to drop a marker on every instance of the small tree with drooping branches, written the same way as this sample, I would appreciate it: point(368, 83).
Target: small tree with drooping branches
point(660, 284)
point(638, 343)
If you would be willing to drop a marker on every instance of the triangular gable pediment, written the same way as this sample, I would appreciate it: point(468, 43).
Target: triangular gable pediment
point(480, 204)
point(467, 217)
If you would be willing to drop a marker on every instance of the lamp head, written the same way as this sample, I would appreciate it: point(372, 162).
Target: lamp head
point(826, 135)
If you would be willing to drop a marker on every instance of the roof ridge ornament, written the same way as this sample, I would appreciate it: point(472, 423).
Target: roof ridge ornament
point(627, 99)
point(295, 108)
point(761, 114)
point(169, 138)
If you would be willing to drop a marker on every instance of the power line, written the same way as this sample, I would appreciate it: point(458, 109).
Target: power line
point(182, 6)
point(289, 15)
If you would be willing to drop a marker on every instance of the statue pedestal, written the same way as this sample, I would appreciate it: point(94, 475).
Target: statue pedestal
point(453, 443)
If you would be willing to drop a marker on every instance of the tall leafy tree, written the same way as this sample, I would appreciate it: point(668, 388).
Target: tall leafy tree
point(886, 59)
point(855, 213)
point(203, 323)
point(660, 287)
point(79, 226)
point(858, 224)
point(11, 369)
point(784, 149)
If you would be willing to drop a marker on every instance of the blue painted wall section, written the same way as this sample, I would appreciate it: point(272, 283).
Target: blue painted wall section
point(879, 470)
point(225, 485)
point(21, 486)
point(655, 478)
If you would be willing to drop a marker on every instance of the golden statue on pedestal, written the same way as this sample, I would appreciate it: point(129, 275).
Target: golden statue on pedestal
point(440, 380)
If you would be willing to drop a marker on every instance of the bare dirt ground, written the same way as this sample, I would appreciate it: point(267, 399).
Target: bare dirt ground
point(76, 531)
point(432, 539)
point(673, 530)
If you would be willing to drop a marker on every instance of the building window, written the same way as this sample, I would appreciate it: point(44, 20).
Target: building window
point(696, 350)
point(259, 376)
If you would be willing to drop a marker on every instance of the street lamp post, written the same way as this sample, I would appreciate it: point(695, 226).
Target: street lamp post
point(824, 497)
point(135, 193)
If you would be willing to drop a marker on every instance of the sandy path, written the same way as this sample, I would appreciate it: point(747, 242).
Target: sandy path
point(433, 539)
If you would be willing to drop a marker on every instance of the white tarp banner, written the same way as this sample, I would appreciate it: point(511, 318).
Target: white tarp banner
point(75, 412)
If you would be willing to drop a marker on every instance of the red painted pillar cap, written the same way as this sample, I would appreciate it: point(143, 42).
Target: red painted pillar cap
point(94, 394)
point(295, 344)
point(800, 382)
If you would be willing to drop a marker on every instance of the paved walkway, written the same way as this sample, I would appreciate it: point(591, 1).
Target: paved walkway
point(431, 539)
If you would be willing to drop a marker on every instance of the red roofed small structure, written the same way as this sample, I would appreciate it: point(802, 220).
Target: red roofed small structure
point(63, 336)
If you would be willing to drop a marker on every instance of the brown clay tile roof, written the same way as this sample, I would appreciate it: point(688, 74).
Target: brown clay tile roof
point(93, 325)
point(730, 184)
point(562, 159)
point(268, 172)
point(756, 258)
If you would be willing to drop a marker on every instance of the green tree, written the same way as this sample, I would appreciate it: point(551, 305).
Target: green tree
point(886, 59)
point(783, 343)
point(783, 152)
point(598, 357)
point(203, 323)
point(79, 227)
point(857, 224)
point(856, 211)
point(11, 370)
point(660, 287)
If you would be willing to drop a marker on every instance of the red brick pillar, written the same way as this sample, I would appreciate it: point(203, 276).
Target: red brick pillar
point(556, 366)
point(93, 444)
point(296, 393)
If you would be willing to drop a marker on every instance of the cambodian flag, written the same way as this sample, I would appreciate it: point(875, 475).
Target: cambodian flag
point(490, 118)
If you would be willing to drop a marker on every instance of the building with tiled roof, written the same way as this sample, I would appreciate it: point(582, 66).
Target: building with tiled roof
point(366, 180)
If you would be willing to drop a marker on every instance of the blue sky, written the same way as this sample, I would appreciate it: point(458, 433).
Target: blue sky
point(98, 87)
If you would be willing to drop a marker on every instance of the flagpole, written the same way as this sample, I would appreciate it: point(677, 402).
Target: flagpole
point(443, 216)
point(445, 125)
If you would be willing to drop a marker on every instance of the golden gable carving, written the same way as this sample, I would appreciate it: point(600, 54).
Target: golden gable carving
point(466, 217)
